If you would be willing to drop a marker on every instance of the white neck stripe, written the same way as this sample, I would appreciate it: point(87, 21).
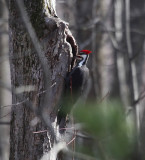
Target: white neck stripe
point(81, 63)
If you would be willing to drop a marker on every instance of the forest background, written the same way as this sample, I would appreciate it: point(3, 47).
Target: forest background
point(114, 31)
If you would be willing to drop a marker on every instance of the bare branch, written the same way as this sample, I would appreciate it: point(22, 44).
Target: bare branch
point(4, 123)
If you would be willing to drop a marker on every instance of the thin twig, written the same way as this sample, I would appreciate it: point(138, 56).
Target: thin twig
point(71, 140)
point(106, 96)
point(27, 99)
point(67, 128)
point(80, 155)
point(4, 123)
point(47, 130)
point(5, 115)
point(41, 131)
point(17, 104)
point(139, 99)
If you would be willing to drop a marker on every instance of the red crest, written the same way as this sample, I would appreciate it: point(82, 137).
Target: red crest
point(86, 51)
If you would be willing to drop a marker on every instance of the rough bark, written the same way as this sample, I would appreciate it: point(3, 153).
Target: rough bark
point(27, 69)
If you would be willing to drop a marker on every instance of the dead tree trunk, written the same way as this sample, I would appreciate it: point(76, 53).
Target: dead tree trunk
point(41, 48)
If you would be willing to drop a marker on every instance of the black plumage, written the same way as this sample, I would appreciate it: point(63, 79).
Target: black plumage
point(75, 84)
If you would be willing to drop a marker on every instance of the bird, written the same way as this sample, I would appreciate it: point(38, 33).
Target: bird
point(76, 82)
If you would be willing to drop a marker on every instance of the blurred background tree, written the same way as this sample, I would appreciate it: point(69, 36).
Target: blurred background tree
point(5, 95)
point(112, 30)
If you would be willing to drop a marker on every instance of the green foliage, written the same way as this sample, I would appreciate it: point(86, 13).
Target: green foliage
point(113, 132)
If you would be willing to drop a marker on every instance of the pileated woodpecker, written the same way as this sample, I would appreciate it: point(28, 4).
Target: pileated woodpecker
point(75, 84)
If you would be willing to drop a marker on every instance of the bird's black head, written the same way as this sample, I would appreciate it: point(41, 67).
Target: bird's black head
point(82, 57)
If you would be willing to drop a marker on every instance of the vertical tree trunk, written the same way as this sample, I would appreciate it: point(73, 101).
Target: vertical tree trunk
point(138, 40)
point(31, 86)
point(105, 55)
point(120, 57)
point(5, 96)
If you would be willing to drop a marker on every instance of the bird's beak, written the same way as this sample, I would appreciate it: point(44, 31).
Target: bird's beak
point(78, 57)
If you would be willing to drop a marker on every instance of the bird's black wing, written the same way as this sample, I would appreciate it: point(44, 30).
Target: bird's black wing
point(73, 90)
point(74, 82)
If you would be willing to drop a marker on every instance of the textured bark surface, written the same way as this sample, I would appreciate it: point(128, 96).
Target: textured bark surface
point(58, 45)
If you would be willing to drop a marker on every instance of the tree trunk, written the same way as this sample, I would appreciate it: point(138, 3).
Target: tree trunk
point(37, 74)
point(5, 96)
point(138, 41)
